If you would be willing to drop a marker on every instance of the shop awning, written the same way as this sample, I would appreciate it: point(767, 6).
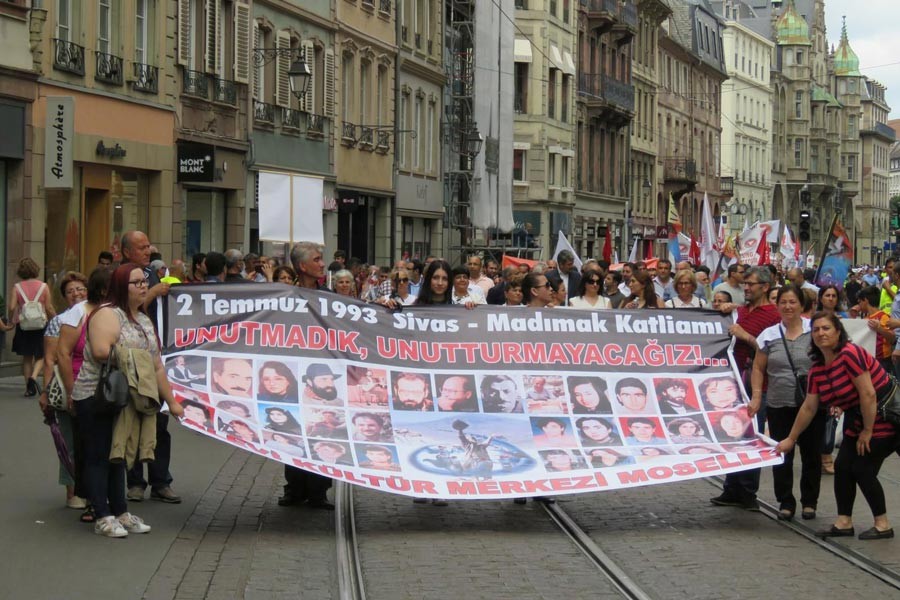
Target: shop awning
point(522, 51)
point(568, 64)
point(555, 58)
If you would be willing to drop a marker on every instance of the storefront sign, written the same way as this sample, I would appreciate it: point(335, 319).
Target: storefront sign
point(329, 204)
point(59, 136)
point(196, 163)
point(662, 232)
point(116, 151)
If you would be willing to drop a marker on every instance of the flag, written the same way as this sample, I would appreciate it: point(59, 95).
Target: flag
point(789, 249)
point(694, 254)
point(763, 249)
point(562, 243)
point(632, 258)
point(837, 256)
point(615, 258)
point(674, 221)
point(709, 242)
point(607, 245)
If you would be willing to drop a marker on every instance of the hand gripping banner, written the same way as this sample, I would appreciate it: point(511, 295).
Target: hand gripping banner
point(444, 402)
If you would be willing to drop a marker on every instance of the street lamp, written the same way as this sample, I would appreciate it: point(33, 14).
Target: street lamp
point(299, 77)
point(473, 142)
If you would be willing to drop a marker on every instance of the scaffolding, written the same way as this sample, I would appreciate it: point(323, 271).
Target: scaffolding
point(459, 166)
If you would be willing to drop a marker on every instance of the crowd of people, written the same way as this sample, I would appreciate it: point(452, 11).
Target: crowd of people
point(798, 366)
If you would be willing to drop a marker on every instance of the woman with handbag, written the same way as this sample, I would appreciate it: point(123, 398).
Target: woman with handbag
point(119, 322)
point(783, 362)
point(29, 309)
point(845, 378)
point(73, 289)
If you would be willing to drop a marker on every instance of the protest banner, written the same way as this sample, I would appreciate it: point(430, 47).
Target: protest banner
point(443, 402)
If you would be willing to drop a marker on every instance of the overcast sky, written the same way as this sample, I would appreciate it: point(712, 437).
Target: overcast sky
point(872, 30)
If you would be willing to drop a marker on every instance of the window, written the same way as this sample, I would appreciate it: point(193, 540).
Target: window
point(814, 158)
point(564, 108)
point(851, 168)
point(551, 94)
point(551, 169)
point(104, 26)
point(140, 32)
point(63, 19)
point(798, 105)
point(429, 139)
point(798, 57)
point(798, 152)
point(347, 85)
point(851, 126)
point(404, 125)
point(521, 88)
point(380, 91)
point(417, 125)
point(519, 165)
point(259, 75)
point(565, 172)
point(365, 71)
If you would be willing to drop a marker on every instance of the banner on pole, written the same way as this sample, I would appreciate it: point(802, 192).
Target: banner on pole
point(444, 403)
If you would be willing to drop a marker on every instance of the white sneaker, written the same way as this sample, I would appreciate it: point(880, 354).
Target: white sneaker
point(110, 527)
point(133, 524)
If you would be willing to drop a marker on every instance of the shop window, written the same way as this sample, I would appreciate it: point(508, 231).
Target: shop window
point(519, 165)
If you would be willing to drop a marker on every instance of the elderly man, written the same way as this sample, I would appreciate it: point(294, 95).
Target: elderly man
point(136, 249)
point(234, 267)
point(303, 486)
point(476, 277)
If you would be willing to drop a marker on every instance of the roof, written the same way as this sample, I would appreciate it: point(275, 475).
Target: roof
point(846, 63)
point(820, 94)
point(791, 29)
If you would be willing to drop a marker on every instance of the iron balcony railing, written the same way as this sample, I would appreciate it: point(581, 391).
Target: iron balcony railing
point(680, 169)
point(68, 56)
point(263, 112)
point(290, 118)
point(315, 124)
point(108, 68)
point(629, 14)
point(195, 83)
point(617, 92)
point(385, 6)
point(348, 132)
point(384, 141)
point(366, 136)
point(146, 78)
point(224, 91)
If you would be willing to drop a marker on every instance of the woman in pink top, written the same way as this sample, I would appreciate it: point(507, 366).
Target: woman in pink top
point(29, 344)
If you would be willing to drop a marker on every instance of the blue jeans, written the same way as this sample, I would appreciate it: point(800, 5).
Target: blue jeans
point(158, 470)
point(104, 482)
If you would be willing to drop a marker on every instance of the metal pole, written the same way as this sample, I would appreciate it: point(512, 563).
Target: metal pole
point(626, 233)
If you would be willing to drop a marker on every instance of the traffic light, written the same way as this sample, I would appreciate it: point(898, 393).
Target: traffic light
point(804, 224)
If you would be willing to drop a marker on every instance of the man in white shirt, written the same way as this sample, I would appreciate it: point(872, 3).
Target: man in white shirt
point(476, 277)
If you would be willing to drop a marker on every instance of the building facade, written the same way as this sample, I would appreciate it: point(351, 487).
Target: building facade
point(364, 122)
point(873, 209)
point(543, 148)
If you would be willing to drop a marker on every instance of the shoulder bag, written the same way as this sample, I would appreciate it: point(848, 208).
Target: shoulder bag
point(889, 406)
point(56, 393)
point(112, 393)
point(799, 380)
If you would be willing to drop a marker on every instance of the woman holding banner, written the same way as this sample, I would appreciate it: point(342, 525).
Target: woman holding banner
point(783, 358)
point(845, 378)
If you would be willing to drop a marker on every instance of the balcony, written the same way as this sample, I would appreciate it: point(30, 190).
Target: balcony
point(146, 78)
point(882, 130)
point(290, 118)
point(383, 145)
point(726, 185)
point(404, 33)
point(418, 38)
point(366, 137)
point(430, 45)
point(348, 134)
point(109, 68)
point(263, 113)
point(384, 6)
point(626, 26)
point(601, 14)
point(315, 125)
point(195, 83)
point(68, 57)
point(680, 169)
point(224, 91)
point(606, 98)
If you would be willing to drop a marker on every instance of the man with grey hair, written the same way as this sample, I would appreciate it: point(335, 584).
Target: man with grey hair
point(752, 318)
point(234, 266)
point(303, 486)
point(566, 272)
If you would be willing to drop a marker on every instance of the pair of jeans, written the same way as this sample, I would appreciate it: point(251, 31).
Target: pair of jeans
point(104, 482)
point(851, 470)
point(781, 420)
point(157, 470)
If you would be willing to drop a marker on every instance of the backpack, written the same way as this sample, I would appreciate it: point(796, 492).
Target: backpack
point(32, 317)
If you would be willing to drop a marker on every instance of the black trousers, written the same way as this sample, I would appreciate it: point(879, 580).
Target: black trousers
point(810, 444)
point(158, 470)
point(303, 485)
point(851, 470)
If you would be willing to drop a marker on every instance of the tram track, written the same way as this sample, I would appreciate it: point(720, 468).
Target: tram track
point(349, 566)
point(831, 545)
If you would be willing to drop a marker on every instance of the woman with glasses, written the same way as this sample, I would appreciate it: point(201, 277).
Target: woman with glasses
point(74, 290)
point(685, 287)
point(120, 321)
point(588, 295)
point(400, 295)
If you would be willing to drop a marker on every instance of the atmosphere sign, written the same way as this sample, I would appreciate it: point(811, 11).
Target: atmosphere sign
point(59, 136)
point(444, 402)
point(196, 163)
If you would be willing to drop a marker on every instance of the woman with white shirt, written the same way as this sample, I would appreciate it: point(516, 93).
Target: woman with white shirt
point(588, 296)
point(685, 285)
point(462, 292)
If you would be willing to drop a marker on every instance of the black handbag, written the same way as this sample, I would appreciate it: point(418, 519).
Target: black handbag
point(889, 406)
point(799, 380)
point(112, 392)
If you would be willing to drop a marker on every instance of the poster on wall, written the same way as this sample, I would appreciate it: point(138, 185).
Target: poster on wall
point(59, 137)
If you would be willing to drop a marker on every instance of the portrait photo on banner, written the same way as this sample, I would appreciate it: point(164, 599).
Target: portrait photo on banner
point(323, 383)
point(324, 422)
point(546, 395)
point(633, 397)
point(284, 443)
point(277, 381)
point(411, 391)
point(232, 376)
point(187, 370)
point(331, 452)
point(242, 409)
point(367, 387)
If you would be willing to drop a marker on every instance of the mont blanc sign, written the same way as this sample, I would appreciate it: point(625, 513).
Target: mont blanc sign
point(196, 163)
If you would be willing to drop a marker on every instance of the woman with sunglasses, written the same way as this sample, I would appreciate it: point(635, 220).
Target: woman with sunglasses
point(588, 295)
point(400, 295)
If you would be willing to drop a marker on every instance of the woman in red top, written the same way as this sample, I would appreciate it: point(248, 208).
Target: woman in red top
point(846, 378)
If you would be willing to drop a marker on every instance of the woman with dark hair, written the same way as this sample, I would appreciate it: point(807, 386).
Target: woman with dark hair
point(72, 287)
point(29, 342)
point(588, 295)
point(462, 292)
point(831, 299)
point(607, 457)
point(588, 395)
point(277, 383)
point(70, 357)
point(643, 294)
point(597, 431)
point(282, 421)
point(435, 284)
point(774, 374)
point(845, 378)
point(121, 322)
point(284, 274)
point(554, 433)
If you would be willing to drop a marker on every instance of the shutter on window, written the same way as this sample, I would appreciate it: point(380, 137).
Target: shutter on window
point(329, 84)
point(212, 26)
point(184, 32)
point(282, 66)
point(242, 42)
point(309, 56)
point(257, 71)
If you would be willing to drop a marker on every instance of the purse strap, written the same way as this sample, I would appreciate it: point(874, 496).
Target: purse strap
point(787, 351)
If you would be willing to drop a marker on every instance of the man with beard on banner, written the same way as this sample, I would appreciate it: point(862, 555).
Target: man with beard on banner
point(303, 486)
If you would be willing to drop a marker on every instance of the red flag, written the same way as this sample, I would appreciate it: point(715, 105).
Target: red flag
point(763, 249)
point(649, 252)
point(607, 245)
point(694, 254)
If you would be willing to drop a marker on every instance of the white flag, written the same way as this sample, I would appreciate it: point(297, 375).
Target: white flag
point(709, 250)
point(563, 244)
point(632, 258)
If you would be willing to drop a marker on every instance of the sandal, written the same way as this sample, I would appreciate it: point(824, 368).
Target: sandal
point(88, 515)
point(785, 514)
point(808, 514)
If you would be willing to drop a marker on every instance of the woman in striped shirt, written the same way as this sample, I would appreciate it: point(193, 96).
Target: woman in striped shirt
point(846, 378)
